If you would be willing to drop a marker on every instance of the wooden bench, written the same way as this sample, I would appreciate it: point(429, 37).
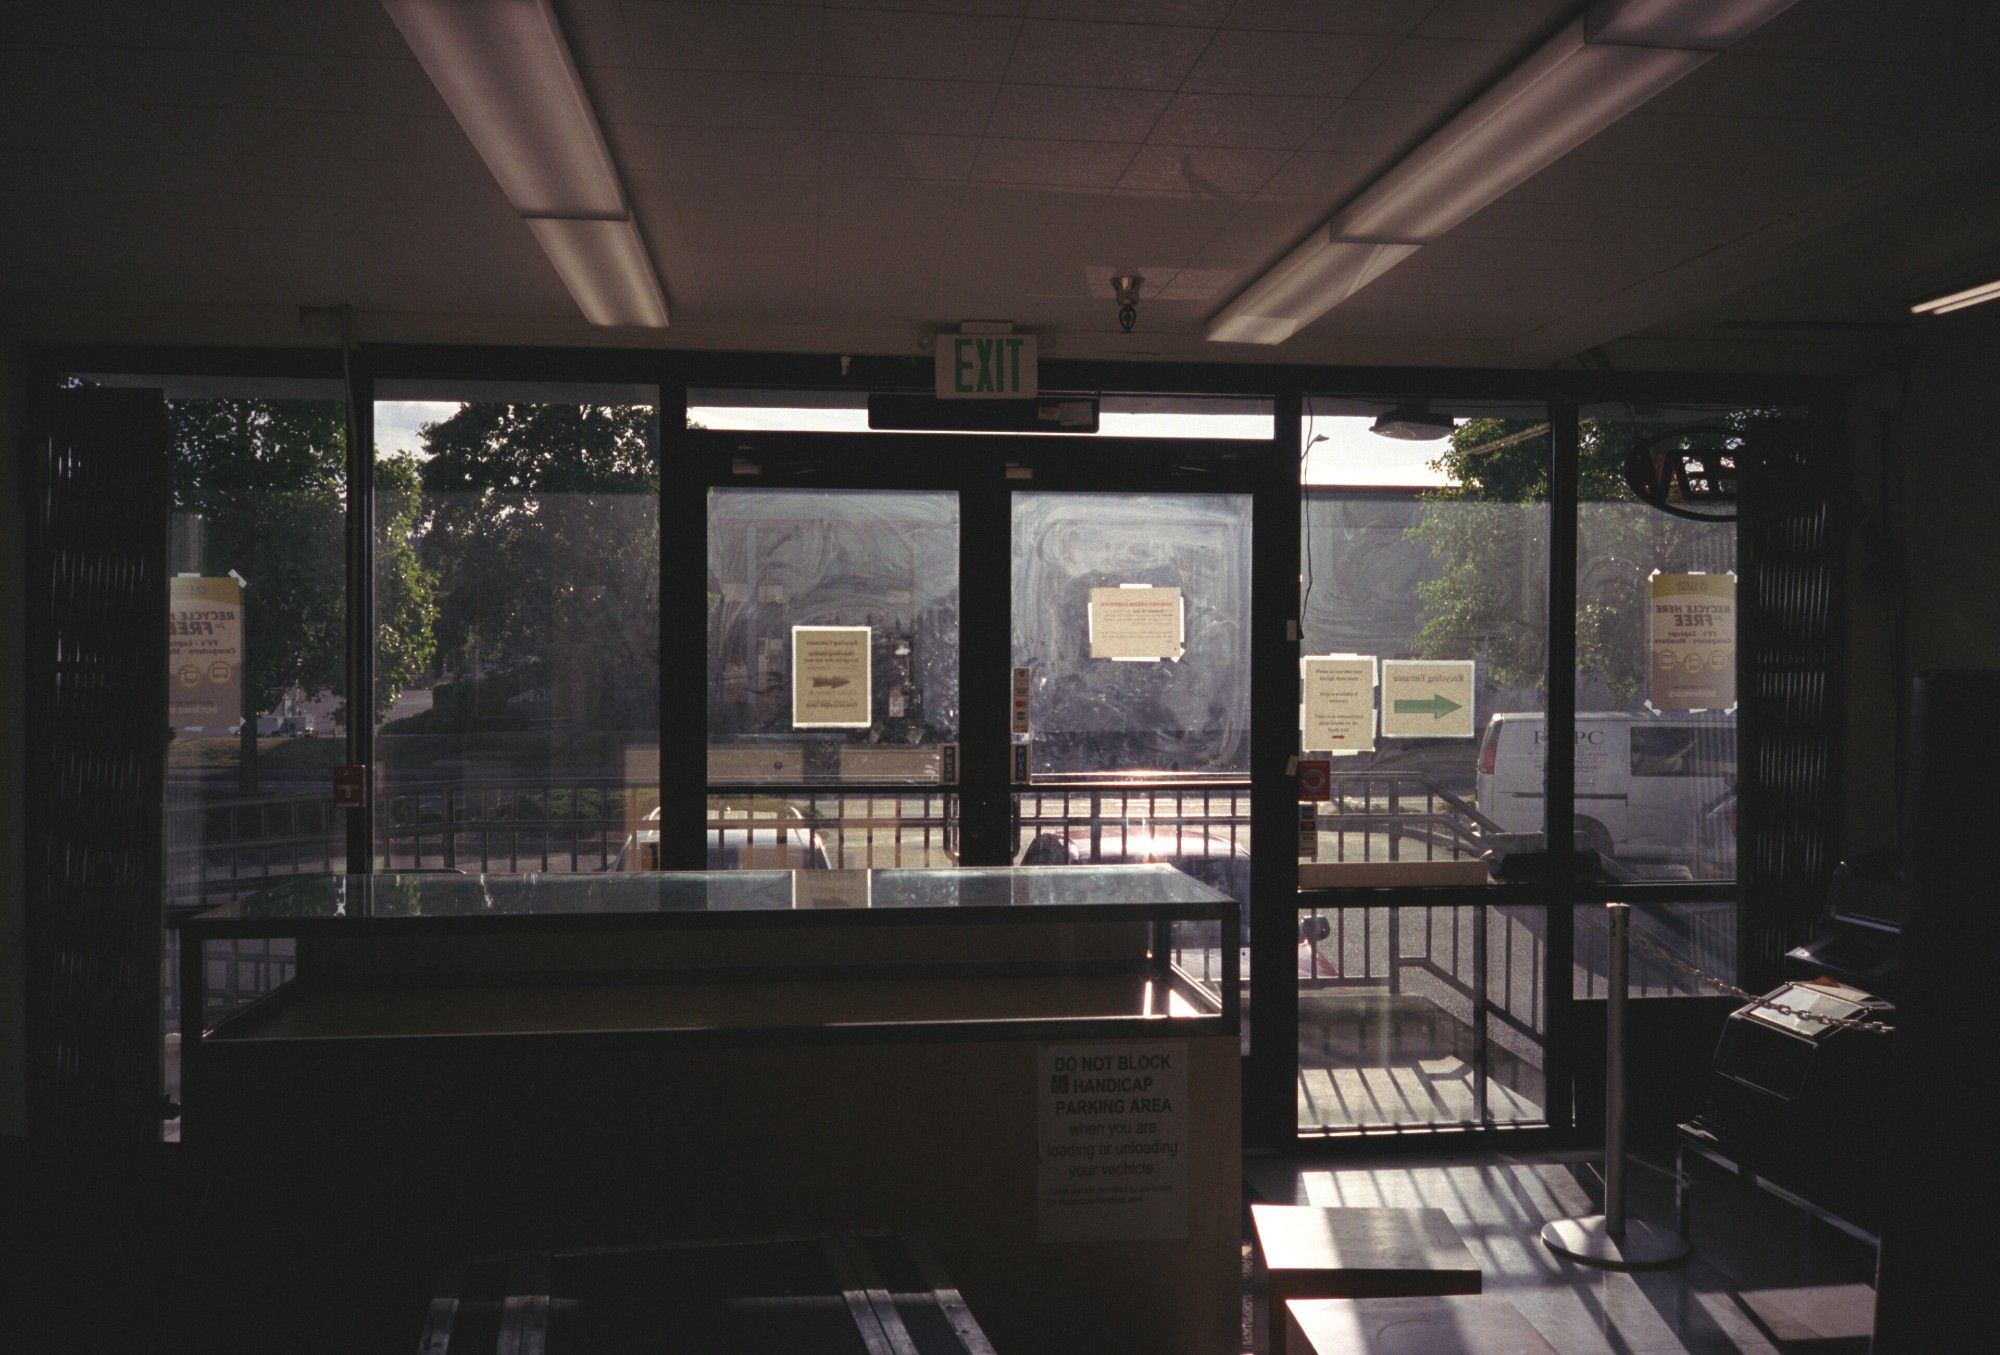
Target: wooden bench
point(1311, 1252)
point(1435, 1325)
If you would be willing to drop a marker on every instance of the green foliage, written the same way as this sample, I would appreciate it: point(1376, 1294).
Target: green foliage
point(539, 523)
point(1490, 598)
point(406, 593)
point(268, 479)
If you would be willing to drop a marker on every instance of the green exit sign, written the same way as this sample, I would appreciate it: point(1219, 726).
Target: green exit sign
point(986, 367)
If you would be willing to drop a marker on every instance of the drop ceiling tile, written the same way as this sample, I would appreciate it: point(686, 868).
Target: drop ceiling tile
point(1200, 171)
point(1380, 128)
point(1056, 164)
point(859, 255)
point(1176, 214)
point(212, 25)
point(1000, 7)
point(887, 155)
point(1123, 56)
point(1594, 186)
point(1257, 234)
point(1438, 70)
point(1029, 205)
point(1648, 138)
point(1152, 249)
point(759, 295)
point(742, 195)
point(1391, 17)
point(702, 99)
point(865, 304)
point(1207, 288)
point(1185, 13)
point(1738, 84)
point(767, 152)
point(1063, 113)
point(1322, 179)
point(596, 32)
point(940, 107)
point(1516, 21)
point(1301, 65)
point(719, 235)
point(722, 37)
point(869, 200)
point(1868, 30)
point(1241, 120)
point(160, 78)
point(917, 46)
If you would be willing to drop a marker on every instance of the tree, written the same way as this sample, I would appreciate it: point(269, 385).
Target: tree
point(268, 480)
point(539, 522)
point(1489, 599)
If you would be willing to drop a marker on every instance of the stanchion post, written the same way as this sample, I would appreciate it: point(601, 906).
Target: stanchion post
point(1619, 918)
point(1609, 1240)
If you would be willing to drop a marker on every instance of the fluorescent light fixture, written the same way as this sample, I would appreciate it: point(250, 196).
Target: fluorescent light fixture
point(1570, 89)
point(605, 266)
point(507, 75)
point(1318, 275)
point(1712, 24)
point(1958, 301)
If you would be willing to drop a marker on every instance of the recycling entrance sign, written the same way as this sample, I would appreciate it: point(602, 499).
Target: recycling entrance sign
point(1427, 698)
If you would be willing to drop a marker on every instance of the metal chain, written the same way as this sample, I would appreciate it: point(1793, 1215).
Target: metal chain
point(1660, 952)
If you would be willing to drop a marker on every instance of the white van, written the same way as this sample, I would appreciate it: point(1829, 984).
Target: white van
point(1643, 782)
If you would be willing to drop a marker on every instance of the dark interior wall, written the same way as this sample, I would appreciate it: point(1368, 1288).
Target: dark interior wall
point(1924, 559)
point(13, 570)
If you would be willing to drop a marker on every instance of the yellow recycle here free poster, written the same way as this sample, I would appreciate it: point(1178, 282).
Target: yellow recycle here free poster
point(1693, 642)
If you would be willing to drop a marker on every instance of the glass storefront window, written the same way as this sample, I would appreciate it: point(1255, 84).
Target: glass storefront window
point(257, 646)
point(517, 619)
point(1656, 645)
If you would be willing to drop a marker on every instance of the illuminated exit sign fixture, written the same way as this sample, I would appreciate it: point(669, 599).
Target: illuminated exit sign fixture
point(985, 366)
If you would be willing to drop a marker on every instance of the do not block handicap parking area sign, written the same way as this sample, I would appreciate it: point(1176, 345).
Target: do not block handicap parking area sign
point(1427, 698)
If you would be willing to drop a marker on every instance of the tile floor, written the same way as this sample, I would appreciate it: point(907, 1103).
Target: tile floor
point(1763, 1278)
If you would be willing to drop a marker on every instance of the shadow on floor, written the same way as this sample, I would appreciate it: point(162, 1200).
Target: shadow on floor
point(1764, 1277)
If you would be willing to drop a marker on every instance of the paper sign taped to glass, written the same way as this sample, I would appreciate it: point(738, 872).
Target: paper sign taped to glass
point(1692, 629)
point(831, 681)
point(204, 655)
point(1337, 706)
point(1137, 623)
point(1427, 698)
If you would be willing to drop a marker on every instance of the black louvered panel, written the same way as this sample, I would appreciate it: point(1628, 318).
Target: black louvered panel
point(1790, 693)
point(97, 723)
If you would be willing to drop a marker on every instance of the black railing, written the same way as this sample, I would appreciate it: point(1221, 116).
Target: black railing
point(818, 827)
point(489, 827)
point(1398, 816)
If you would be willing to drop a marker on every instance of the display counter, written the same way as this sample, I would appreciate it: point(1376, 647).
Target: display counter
point(1036, 1069)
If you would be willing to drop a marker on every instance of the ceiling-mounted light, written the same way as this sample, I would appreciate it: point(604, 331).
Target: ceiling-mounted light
point(1599, 68)
point(508, 77)
point(1958, 301)
point(1318, 275)
point(1412, 421)
point(606, 268)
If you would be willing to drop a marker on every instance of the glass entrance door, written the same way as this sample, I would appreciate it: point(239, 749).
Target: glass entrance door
point(1130, 694)
point(832, 679)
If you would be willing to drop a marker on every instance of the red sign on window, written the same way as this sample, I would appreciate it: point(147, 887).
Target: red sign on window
point(1315, 779)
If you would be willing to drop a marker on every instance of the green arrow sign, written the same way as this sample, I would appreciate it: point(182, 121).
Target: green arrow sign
point(1437, 707)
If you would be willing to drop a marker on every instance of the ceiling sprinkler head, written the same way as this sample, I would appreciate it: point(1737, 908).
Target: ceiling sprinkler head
point(1126, 286)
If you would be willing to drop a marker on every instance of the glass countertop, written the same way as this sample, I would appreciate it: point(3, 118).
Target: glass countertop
point(333, 898)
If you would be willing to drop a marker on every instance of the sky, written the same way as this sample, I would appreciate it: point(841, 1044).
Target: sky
point(1346, 453)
